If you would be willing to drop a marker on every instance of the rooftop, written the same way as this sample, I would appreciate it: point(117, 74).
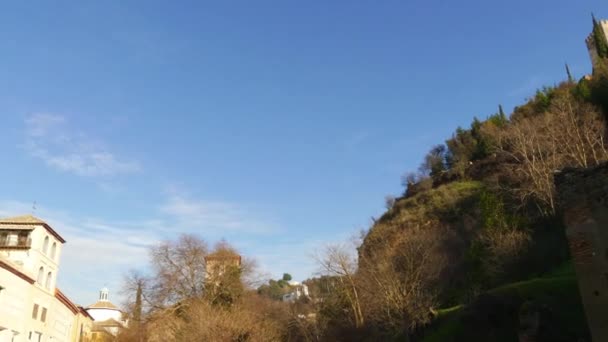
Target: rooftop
point(22, 220)
point(28, 222)
point(103, 304)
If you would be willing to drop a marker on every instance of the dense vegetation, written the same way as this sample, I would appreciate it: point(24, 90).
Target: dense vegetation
point(475, 241)
point(478, 229)
point(477, 222)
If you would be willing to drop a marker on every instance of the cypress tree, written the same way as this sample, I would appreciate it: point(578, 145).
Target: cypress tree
point(138, 306)
point(501, 119)
point(570, 78)
point(599, 39)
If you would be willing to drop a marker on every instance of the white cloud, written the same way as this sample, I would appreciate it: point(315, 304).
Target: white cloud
point(213, 217)
point(48, 138)
point(99, 252)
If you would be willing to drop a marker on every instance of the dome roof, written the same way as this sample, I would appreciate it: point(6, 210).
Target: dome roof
point(103, 304)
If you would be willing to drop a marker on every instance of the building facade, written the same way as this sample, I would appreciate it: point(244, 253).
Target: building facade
point(108, 319)
point(32, 308)
point(296, 291)
point(217, 265)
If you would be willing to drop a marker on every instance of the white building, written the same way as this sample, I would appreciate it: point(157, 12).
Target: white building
point(296, 292)
point(31, 307)
point(108, 317)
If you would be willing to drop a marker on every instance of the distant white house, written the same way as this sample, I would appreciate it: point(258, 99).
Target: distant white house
point(297, 291)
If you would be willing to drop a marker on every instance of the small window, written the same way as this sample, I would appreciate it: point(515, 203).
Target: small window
point(53, 250)
point(48, 280)
point(35, 312)
point(12, 239)
point(45, 246)
point(43, 315)
point(40, 275)
point(22, 240)
point(3, 238)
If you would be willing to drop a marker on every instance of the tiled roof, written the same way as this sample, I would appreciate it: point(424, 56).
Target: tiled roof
point(29, 221)
point(66, 301)
point(103, 305)
point(22, 219)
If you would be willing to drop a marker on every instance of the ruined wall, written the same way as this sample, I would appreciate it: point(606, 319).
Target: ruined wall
point(583, 196)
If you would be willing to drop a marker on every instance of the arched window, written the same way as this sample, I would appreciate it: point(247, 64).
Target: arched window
point(48, 281)
point(40, 275)
point(45, 246)
point(53, 250)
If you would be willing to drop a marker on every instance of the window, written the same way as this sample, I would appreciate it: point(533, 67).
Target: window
point(4, 238)
point(35, 312)
point(53, 250)
point(43, 315)
point(22, 239)
point(45, 246)
point(11, 239)
point(40, 275)
point(48, 281)
point(35, 336)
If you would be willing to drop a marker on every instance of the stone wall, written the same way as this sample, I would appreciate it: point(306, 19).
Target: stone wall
point(583, 197)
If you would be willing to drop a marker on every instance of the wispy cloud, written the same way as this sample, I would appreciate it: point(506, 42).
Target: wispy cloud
point(49, 138)
point(100, 252)
point(214, 216)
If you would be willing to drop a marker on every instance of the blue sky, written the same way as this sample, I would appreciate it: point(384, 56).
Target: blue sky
point(278, 125)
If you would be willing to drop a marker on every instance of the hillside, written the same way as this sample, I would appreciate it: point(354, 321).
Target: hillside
point(478, 228)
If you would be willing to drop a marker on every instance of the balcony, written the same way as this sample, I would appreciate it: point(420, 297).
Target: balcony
point(16, 244)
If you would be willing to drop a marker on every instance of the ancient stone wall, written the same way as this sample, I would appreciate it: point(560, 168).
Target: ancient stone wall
point(583, 196)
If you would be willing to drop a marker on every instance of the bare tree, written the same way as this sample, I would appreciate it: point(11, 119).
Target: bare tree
point(179, 270)
point(570, 133)
point(401, 279)
point(136, 289)
point(389, 201)
point(339, 262)
point(504, 248)
point(252, 319)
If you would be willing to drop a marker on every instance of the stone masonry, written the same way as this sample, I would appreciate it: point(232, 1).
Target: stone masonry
point(583, 196)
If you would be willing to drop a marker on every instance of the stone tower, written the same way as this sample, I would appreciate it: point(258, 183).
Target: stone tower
point(591, 42)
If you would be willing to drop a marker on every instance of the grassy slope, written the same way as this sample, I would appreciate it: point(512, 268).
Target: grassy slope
point(448, 203)
point(557, 291)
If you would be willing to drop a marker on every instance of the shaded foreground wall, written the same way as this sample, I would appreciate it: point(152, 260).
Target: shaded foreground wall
point(583, 195)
